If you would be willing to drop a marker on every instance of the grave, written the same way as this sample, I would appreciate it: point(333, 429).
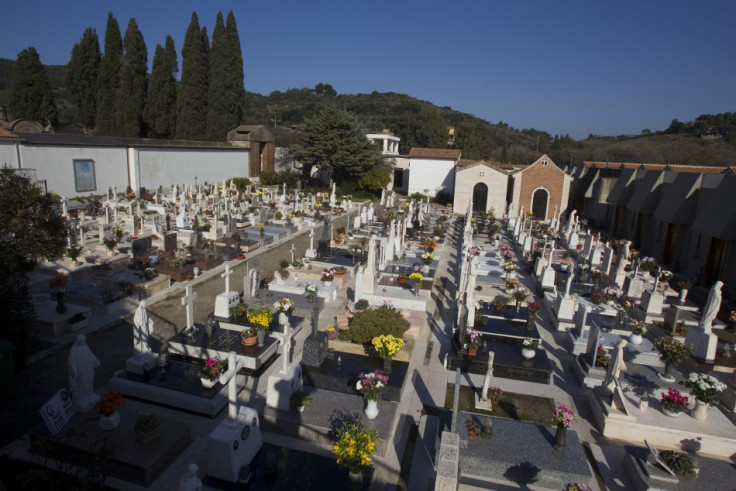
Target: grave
point(82, 440)
point(520, 452)
point(507, 363)
point(297, 286)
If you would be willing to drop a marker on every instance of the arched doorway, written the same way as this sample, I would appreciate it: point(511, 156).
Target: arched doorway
point(539, 203)
point(480, 197)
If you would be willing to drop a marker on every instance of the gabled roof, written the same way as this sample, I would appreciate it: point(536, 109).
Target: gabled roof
point(646, 191)
point(540, 161)
point(678, 198)
point(621, 191)
point(718, 216)
point(463, 165)
point(698, 169)
point(435, 153)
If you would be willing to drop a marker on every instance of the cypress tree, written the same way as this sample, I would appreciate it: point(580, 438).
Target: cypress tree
point(108, 79)
point(226, 93)
point(30, 92)
point(132, 96)
point(191, 101)
point(81, 76)
point(160, 111)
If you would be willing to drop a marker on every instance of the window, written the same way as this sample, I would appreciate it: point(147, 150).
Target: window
point(84, 176)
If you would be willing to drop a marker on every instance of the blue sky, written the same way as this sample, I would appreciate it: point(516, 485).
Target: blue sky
point(565, 67)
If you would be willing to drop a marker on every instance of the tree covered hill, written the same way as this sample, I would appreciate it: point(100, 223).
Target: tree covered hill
point(707, 140)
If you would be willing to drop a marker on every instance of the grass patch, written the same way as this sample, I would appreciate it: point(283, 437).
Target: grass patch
point(521, 407)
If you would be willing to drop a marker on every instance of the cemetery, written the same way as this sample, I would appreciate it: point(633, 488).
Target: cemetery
point(277, 333)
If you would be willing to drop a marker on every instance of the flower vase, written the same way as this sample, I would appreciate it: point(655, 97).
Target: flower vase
point(310, 298)
point(371, 409)
point(283, 318)
point(667, 376)
point(110, 253)
point(110, 421)
point(636, 339)
point(683, 295)
point(560, 438)
point(528, 353)
point(261, 334)
point(355, 481)
point(671, 414)
point(327, 284)
point(207, 383)
point(473, 351)
point(609, 302)
point(60, 305)
point(386, 366)
point(700, 411)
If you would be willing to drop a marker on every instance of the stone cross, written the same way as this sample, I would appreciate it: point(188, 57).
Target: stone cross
point(657, 274)
point(293, 253)
point(188, 300)
point(487, 380)
point(226, 275)
point(571, 273)
point(286, 347)
point(230, 378)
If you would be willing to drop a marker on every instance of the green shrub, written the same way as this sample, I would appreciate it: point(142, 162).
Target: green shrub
point(368, 324)
point(682, 464)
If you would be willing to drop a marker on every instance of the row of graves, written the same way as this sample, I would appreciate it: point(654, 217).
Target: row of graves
point(497, 335)
point(635, 343)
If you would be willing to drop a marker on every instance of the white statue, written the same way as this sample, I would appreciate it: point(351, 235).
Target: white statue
point(143, 328)
point(82, 364)
point(614, 367)
point(712, 306)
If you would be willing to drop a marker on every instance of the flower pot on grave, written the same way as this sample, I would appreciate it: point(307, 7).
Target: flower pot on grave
point(355, 481)
point(402, 281)
point(371, 409)
point(473, 351)
point(261, 334)
point(636, 339)
point(283, 318)
point(528, 354)
point(327, 284)
point(683, 295)
point(207, 383)
point(147, 436)
point(671, 414)
point(560, 438)
point(249, 341)
point(109, 421)
point(700, 411)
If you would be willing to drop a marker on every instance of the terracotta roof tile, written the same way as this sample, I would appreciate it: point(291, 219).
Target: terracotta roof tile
point(435, 153)
point(7, 133)
point(697, 169)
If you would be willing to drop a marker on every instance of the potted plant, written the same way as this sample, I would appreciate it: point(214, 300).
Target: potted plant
point(680, 463)
point(361, 304)
point(495, 394)
point(74, 252)
point(472, 340)
point(402, 279)
point(331, 332)
point(529, 347)
point(328, 274)
point(301, 401)
point(474, 429)
point(371, 385)
point(602, 358)
point(340, 270)
point(664, 277)
point(638, 330)
point(354, 446)
point(109, 242)
point(146, 427)
point(706, 389)
point(611, 294)
point(108, 408)
point(647, 264)
point(386, 347)
point(673, 402)
point(210, 374)
point(671, 352)
point(596, 298)
point(237, 311)
point(261, 318)
point(498, 304)
point(249, 336)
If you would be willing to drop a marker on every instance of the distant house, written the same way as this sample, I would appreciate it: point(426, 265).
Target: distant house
point(428, 171)
point(486, 183)
point(540, 187)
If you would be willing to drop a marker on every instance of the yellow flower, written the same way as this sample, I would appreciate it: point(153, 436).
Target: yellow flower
point(387, 346)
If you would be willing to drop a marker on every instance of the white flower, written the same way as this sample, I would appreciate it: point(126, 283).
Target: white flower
point(379, 385)
point(359, 386)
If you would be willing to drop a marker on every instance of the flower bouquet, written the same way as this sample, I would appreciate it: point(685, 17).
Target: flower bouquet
point(576, 486)
point(430, 245)
point(109, 242)
point(427, 258)
point(361, 304)
point(354, 445)
point(310, 290)
point(612, 293)
point(596, 298)
point(508, 266)
point(283, 306)
point(328, 274)
point(331, 332)
point(639, 328)
point(416, 278)
point(530, 343)
point(665, 275)
point(110, 402)
point(671, 351)
point(512, 283)
point(387, 346)
point(519, 294)
point(534, 308)
point(472, 338)
point(673, 401)
point(602, 358)
point(563, 417)
point(474, 429)
point(261, 317)
point(495, 394)
point(371, 384)
point(213, 368)
point(648, 264)
point(626, 302)
point(705, 388)
point(507, 254)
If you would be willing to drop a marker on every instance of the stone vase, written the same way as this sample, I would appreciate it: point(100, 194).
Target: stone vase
point(636, 339)
point(355, 481)
point(700, 411)
point(386, 366)
point(60, 305)
point(528, 353)
point(110, 421)
point(683, 295)
point(283, 318)
point(371, 409)
point(327, 284)
point(261, 333)
point(560, 438)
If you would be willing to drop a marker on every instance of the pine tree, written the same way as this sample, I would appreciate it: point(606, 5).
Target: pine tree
point(30, 92)
point(226, 94)
point(132, 95)
point(191, 101)
point(160, 111)
point(108, 80)
point(81, 76)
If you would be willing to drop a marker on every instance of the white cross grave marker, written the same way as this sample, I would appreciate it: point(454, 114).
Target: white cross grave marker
point(188, 300)
point(226, 275)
